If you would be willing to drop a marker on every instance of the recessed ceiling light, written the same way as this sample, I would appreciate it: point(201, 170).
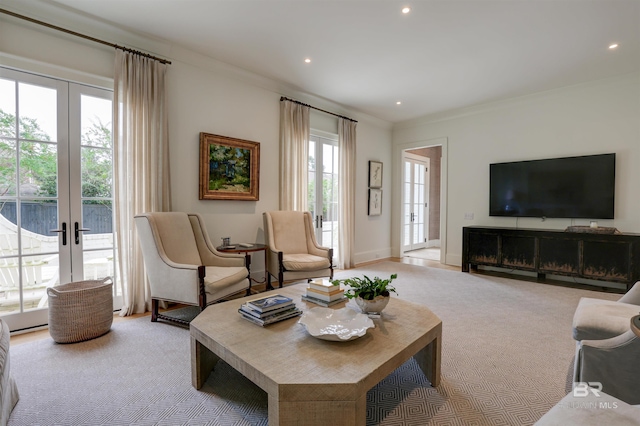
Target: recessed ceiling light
point(613, 46)
point(406, 10)
point(398, 103)
point(307, 60)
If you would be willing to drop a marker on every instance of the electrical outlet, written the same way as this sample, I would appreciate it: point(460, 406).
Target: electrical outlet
point(468, 216)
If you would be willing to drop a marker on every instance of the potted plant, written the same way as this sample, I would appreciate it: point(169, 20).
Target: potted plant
point(371, 295)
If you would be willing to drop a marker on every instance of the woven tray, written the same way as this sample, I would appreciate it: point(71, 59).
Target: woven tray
point(80, 310)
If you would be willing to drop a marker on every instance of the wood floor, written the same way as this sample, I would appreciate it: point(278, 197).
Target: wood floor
point(17, 339)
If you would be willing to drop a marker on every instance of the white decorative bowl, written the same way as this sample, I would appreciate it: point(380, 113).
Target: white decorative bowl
point(338, 325)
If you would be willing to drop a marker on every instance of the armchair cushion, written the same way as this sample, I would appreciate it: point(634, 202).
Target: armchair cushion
point(597, 319)
point(304, 262)
point(221, 277)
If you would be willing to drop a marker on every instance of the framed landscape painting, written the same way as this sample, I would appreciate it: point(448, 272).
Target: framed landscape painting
point(229, 168)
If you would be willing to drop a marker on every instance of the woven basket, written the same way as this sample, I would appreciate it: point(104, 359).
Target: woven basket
point(80, 310)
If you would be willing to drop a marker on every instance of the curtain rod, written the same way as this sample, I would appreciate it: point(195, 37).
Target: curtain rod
point(64, 30)
point(284, 98)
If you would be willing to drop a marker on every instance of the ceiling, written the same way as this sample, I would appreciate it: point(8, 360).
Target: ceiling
point(367, 55)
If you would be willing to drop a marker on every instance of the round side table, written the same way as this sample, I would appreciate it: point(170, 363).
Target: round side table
point(255, 247)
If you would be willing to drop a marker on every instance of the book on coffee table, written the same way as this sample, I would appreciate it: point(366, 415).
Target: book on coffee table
point(280, 316)
point(323, 302)
point(269, 303)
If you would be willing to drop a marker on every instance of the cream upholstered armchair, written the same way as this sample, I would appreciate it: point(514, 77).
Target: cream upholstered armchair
point(607, 349)
point(293, 252)
point(182, 264)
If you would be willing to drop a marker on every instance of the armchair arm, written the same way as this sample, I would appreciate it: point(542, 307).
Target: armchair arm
point(208, 253)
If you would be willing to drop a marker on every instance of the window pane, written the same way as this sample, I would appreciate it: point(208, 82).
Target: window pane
point(8, 168)
point(97, 216)
point(38, 169)
point(37, 112)
point(97, 172)
point(7, 108)
point(95, 121)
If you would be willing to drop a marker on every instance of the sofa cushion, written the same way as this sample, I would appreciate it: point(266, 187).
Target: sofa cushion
point(597, 319)
point(8, 389)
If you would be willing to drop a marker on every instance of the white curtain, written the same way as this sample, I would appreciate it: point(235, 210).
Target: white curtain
point(346, 192)
point(141, 160)
point(294, 155)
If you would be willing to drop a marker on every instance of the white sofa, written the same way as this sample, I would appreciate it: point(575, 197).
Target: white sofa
point(8, 388)
point(591, 410)
point(607, 350)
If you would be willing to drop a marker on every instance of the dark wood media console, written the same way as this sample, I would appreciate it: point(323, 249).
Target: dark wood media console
point(603, 257)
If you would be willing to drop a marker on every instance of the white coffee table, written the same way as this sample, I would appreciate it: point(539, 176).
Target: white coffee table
point(311, 381)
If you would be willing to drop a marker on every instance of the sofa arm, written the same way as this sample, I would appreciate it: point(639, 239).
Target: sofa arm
point(632, 296)
point(612, 362)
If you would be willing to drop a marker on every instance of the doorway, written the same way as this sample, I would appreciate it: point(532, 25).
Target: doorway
point(421, 213)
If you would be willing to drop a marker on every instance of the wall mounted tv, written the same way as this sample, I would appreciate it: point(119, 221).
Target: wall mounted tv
point(570, 187)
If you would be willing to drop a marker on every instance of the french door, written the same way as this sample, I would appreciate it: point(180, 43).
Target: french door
point(323, 189)
point(414, 204)
point(56, 196)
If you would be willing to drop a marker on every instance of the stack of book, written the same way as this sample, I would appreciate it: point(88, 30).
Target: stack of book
point(267, 310)
point(323, 293)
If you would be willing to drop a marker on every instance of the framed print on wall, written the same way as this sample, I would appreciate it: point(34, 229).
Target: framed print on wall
point(375, 174)
point(229, 168)
point(375, 202)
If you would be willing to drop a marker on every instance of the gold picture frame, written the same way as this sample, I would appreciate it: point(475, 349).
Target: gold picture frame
point(229, 168)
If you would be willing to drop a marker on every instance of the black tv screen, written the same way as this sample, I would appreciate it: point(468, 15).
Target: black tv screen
point(570, 187)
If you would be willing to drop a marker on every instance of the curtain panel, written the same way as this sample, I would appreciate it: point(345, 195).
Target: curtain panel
point(141, 162)
point(294, 155)
point(346, 192)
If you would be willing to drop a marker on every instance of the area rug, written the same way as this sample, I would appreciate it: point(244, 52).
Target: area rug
point(507, 350)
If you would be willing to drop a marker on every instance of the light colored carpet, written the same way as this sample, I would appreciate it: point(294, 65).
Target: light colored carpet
point(507, 348)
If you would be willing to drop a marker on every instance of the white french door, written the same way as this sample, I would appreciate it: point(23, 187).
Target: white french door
point(415, 209)
point(56, 191)
point(323, 189)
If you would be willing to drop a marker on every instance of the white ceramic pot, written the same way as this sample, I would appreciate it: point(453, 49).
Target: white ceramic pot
point(372, 306)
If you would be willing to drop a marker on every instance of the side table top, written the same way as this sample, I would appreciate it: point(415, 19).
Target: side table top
point(236, 248)
point(635, 325)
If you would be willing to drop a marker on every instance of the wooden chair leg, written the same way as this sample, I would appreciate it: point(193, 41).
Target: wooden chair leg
point(154, 310)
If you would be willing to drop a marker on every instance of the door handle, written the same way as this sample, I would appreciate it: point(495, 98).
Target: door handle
point(321, 221)
point(316, 221)
point(77, 231)
point(63, 230)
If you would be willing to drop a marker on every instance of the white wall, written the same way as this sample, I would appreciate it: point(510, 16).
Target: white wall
point(594, 118)
point(204, 96)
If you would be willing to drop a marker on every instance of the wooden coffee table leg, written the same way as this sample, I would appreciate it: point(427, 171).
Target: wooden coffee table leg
point(202, 363)
point(429, 358)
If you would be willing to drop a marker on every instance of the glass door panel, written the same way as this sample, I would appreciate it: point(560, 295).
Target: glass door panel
point(32, 116)
point(55, 176)
point(414, 214)
point(323, 190)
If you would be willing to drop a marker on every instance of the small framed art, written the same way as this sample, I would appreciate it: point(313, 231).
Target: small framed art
point(375, 174)
point(375, 202)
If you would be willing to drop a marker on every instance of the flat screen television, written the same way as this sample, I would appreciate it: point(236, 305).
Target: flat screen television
point(570, 187)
